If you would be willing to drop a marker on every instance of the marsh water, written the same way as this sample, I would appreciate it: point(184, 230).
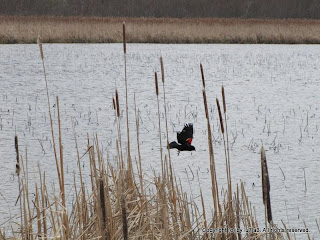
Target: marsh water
point(272, 94)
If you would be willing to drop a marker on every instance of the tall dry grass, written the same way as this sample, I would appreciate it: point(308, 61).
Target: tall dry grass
point(153, 30)
point(120, 203)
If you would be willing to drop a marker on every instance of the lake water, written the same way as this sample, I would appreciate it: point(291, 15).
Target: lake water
point(272, 94)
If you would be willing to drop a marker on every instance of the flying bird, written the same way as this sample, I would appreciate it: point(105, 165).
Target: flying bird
point(184, 138)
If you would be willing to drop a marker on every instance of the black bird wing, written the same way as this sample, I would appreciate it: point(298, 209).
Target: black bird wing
point(186, 134)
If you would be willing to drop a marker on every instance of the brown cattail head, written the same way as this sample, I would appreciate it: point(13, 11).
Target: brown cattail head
point(162, 69)
point(224, 100)
point(117, 104)
point(40, 46)
point(202, 76)
point(156, 82)
point(124, 37)
point(17, 153)
point(205, 103)
point(265, 184)
point(102, 203)
point(220, 116)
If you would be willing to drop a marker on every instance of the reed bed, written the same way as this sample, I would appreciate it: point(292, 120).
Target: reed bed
point(121, 203)
point(157, 30)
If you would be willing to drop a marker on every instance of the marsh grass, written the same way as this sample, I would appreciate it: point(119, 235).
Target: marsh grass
point(158, 30)
point(120, 203)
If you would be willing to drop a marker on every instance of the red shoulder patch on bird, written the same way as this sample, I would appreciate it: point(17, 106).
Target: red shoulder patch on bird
point(189, 140)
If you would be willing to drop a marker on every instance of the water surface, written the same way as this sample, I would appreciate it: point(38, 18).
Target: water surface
point(272, 99)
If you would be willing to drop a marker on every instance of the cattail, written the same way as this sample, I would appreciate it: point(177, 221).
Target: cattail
point(223, 100)
point(156, 82)
point(265, 185)
point(124, 217)
point(202, 76)
point(117, 104)
point(113, 104)
point(124, 38)
point(103, 205)
point(162, 69)
point(40, 45)
point(205, 103)
point(17, 155)
point(220, 116)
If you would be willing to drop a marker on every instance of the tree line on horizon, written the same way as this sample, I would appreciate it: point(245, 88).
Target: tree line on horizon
point(165, 8)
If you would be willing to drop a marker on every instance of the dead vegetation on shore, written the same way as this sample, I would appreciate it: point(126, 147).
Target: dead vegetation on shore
point(158, 30)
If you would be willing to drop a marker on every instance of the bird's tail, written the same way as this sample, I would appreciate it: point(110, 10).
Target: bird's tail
point(173, 144)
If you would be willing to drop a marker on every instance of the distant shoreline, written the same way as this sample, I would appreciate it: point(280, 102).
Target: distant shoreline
point(14, 29)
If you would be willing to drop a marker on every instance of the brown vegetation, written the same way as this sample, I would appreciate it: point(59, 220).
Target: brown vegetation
point(157, 30)
point(120, 203)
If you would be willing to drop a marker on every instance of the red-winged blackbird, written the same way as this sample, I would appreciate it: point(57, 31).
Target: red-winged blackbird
point(184, 138)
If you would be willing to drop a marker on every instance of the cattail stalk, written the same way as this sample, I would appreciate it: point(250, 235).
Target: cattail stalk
point(227, 135)
point(215, 192)
point(62, 190)
point(117, 108)
point(138, 144)
point(158, 104)
point(127, 108)
point(18, 169)
point(230, 208)
point(167, 132)
point(50, 115)
point(44, 217)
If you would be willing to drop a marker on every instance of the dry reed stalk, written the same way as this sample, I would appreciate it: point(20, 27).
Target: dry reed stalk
point(138, 147)
point(42, 192)
point(39, 234)
point(238, 212)
point(95, 187)
point(165, 107)
point(227, 135)
point(79, 225)
point(173, 197)
point(230, 219)
point(204, 214)
point(18, 169)
point(124, 217)
point(215, 191)
point(61, 184)
point(62, 190)
point(305, 226)
point(159, 122)
point(29, 216)
point(129, 161)
point(119, 148)
point(25, 230)
point(83, 209)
